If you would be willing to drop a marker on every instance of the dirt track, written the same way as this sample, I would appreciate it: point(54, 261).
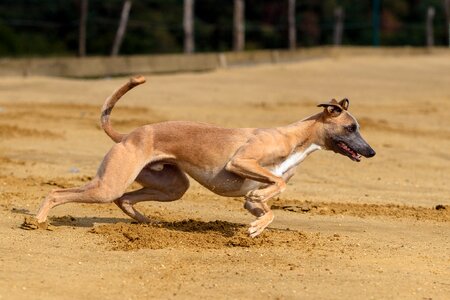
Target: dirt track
point(379, 229)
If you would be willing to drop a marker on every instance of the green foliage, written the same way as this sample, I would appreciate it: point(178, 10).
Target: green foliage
point(50, 27)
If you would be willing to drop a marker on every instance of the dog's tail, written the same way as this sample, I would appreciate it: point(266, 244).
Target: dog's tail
point(109, 105)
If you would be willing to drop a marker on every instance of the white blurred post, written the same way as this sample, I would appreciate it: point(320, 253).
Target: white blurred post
point(122, 27)
point(429, 27)
point(238, 25)
point(82, 28)
point(188, 26)
point(338, 25)
point(292, 25)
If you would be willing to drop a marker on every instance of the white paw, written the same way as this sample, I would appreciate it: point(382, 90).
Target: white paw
point(258, 226)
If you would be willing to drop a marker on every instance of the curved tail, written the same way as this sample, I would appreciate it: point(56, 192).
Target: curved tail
point(109, 105)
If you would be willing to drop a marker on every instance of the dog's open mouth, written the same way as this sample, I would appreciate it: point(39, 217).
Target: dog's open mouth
point(349, 151)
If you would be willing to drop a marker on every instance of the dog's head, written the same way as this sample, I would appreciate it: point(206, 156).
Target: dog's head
point(341, 131)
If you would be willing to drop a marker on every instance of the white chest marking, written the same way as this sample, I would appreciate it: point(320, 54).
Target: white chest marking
point(293, 160)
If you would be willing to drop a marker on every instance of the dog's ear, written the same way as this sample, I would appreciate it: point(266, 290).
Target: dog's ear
point(332, 108)
point(344, 103)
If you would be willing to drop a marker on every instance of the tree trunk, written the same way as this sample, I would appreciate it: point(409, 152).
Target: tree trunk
point(238, 27)
point(338, 25)
point(429, 26)
point(188, 25)
point(122, 27)
point(292, 25)
point(82, 28)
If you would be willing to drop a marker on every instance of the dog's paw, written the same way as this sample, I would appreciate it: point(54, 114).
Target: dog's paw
point(258, 226)
point(31, 223)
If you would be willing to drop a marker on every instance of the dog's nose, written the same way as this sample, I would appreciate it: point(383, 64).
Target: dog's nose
point(371, 153)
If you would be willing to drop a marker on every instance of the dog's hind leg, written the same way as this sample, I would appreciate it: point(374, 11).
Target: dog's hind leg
point(118, 170)
point(169, 183)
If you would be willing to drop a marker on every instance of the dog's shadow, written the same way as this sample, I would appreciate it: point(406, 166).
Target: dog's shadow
point(227, 229)
point(21, 211)
point(86, 222)
point(224, 228)
point(71, 221)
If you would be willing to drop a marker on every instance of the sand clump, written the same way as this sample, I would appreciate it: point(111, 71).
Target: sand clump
point(193, 234)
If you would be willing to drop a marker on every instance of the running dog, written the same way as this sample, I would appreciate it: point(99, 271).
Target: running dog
point(255, 163)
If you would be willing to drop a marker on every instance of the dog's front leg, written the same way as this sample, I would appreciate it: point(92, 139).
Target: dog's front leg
point(250, 168)
point(256, 199)
point(254, 207)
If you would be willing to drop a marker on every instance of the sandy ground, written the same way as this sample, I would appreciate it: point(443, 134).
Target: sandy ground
point(375, 229)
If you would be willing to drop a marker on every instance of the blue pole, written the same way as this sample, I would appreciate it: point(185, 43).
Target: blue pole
point(376, 4)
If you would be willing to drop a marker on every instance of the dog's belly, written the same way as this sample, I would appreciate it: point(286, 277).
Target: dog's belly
point(236, 189)
point(223, 182)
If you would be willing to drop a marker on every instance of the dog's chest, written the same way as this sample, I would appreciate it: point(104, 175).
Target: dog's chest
point(293, 160)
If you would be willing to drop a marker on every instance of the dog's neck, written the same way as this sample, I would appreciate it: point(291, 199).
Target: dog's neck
point(305, 133)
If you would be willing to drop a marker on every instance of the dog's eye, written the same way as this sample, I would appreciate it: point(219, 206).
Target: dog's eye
point(351, 128)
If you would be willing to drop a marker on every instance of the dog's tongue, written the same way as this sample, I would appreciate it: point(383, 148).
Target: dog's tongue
point(354, 154)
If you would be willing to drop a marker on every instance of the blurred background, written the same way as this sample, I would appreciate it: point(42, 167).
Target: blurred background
point(100, 27)
point(342, 230)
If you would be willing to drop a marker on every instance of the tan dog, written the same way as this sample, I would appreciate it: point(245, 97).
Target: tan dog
point(250, 162)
